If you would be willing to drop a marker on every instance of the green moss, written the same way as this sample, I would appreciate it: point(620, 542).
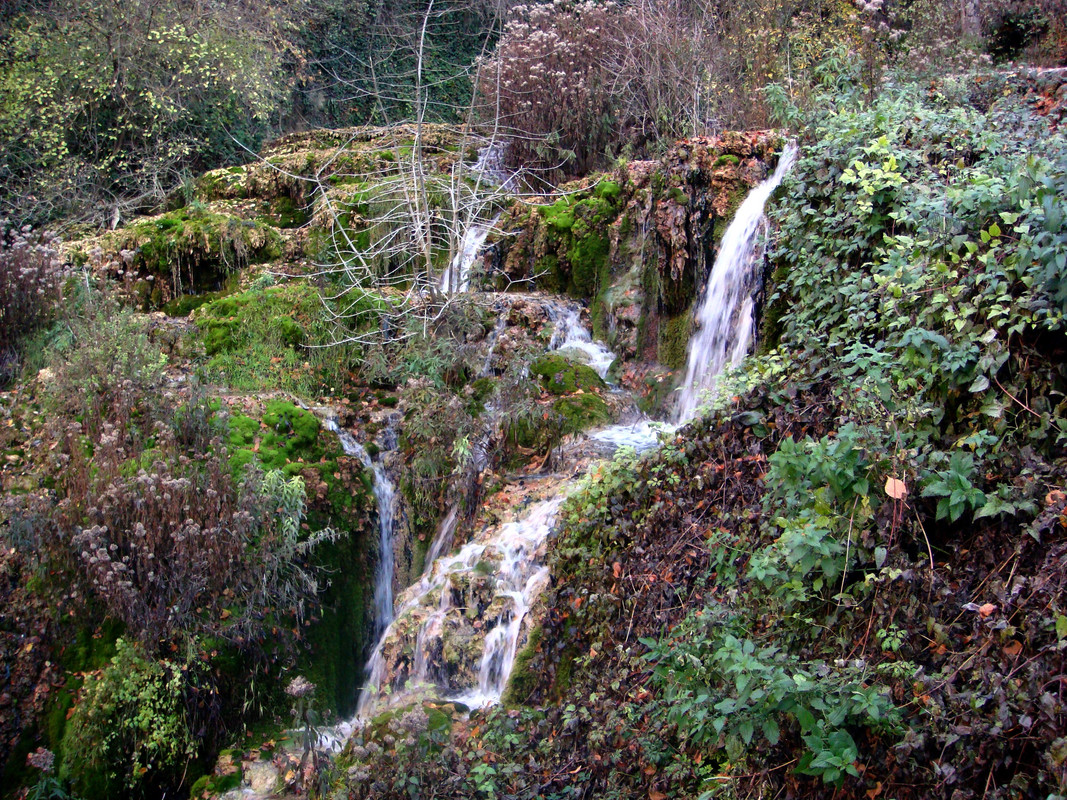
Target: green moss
point(678, 195)
point(523, 680)
point(340, 641)
point(561, 376)
point(727, 159)
point(480, 391)
point(582, 411)
point(674, 334)
point(289, 213)
point(287, 438)
point(608, 190)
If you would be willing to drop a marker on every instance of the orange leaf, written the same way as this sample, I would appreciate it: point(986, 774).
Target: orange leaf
point(896, 488)
point(616, 569)
point(654, 795)
point(1013, 648)
point(987, 609)
point(650, 769)
point(225, 614)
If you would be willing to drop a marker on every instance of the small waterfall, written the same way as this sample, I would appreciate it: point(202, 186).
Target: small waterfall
point(384, 494)
point(571, 337)
point(442, 541)
point(494, 335)
point(500, 577)
point(457, 277)
point(725, 319)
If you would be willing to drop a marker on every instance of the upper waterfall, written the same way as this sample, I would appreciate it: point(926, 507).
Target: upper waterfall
point(726, 319)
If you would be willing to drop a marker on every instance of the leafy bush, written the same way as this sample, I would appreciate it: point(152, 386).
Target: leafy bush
point(107, 372)
point(129, 733)
point(103, 105)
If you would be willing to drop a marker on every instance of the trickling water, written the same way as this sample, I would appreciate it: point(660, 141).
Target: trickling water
point(457, 277)
point(725, 320)
point(494, 335)
point(384, 494)
point(442, 541)
point(571, 338)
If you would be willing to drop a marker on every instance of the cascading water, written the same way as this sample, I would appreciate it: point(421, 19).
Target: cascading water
point(457, 630)
point(725, 320)
point(457, 277)
point(571, 337)
point(429, 646)
point(384, 494)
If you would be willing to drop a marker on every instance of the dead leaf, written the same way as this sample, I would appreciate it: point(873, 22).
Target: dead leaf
point(896, 488)
point(616, 569)
point(1013, 648)
point(654, 795)
point(225, 614)
point(987, 609)
point(1054, 497)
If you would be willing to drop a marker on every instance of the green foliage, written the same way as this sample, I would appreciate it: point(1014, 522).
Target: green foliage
point(954, 488)
point(113, 99)
point(129, 732)
point(722, 685)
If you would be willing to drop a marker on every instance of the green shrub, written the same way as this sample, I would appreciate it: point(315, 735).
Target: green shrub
point(128, 733)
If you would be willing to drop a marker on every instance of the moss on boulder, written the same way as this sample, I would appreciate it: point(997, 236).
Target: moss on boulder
point(559, 375)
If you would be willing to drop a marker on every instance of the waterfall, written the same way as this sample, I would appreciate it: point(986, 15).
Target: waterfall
point(384, 494)
point(726, 317)
point(457, 277)
point(457, 630)
point(571, 338)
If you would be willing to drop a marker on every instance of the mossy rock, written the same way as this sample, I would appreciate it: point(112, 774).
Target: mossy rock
point(575, 230)
point(201, 239)
point(559, 375)
point(524, 679)
point(286, 438)
point(582, 411)
point(674, 335)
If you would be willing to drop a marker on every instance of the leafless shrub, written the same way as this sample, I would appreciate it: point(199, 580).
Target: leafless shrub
point(31, 275)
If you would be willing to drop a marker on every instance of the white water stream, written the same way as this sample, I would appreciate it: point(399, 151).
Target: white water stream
point(726, 318)
point(384, 494)
point(457, 276)
point(571, 338)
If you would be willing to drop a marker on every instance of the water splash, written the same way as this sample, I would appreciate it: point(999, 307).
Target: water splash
point(726, 320)
point(571, 338)
point(384, 494)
